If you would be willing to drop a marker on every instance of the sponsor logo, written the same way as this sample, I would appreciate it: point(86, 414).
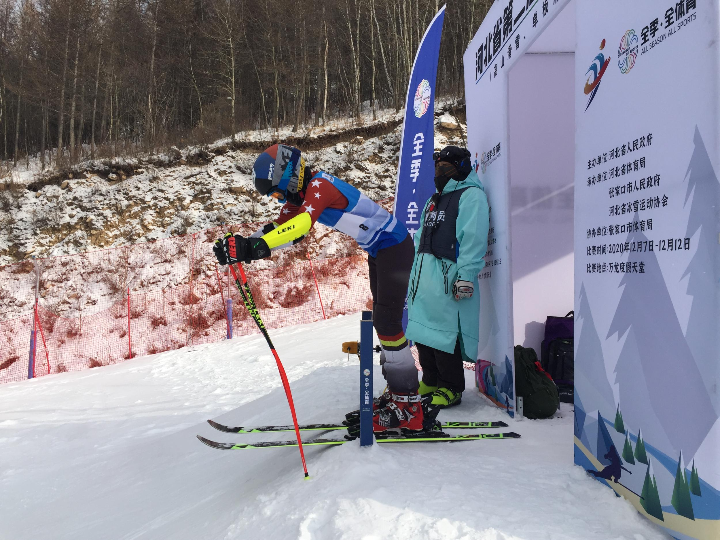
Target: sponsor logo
point(628, 51)
point(595, 72)
point(422, 98)
point(366, 372)
point(328, 177)
point(364, 227)
point(487, 158)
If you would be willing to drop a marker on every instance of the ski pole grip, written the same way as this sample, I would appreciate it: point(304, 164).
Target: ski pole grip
point(366, 379)
point(234, 273)
point(243, 277)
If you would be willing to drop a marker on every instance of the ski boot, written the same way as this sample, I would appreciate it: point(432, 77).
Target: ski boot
point(426, 389)
point(403, 413)
point(443, 398)
point(378, 403)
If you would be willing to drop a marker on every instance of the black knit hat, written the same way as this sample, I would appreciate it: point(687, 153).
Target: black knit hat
point(460, 157)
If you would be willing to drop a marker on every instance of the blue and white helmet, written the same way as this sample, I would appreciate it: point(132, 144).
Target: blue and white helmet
point(280, 170)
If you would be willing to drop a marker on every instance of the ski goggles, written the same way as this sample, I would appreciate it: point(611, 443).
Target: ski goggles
point(277, 194)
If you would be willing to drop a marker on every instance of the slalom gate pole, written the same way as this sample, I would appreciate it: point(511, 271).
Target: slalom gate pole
point(244, 287)
point(366, 379)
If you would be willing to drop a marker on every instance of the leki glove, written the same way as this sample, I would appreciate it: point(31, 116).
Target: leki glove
point(236, 248)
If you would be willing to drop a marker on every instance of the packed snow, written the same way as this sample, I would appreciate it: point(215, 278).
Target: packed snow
point(111, 453)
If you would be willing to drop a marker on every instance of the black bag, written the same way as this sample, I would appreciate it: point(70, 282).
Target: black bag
point(556, 328)
point(561, 367)
point(534, 385)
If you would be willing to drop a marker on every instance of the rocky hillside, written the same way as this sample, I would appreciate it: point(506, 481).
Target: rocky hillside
point(121, 201)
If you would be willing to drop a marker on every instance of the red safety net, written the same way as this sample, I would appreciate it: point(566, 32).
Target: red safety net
point(103, 307)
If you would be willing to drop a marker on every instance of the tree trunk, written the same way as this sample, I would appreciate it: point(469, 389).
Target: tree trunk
point(325, 70)
point(43, 135)
point(61, 108)
point(17, 115)
point(197, 90)
point(150, 121)
point(232, 78)
point(5, 123)
point(72, 106)
point(382, 53)
point(81, 124)
point(97, 85)
point(276, 89)
point(372, 65)
point(355, 56)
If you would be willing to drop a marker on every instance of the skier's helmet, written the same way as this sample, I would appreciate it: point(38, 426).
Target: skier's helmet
point(279, 170)
point(459, 157)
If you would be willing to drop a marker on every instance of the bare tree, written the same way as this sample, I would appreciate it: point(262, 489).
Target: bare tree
point(142, 73)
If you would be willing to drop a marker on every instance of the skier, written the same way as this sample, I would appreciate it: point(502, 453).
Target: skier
point(443, 311)
point(281, 172)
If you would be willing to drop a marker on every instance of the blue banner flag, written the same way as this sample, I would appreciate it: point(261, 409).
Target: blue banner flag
point(416, 169)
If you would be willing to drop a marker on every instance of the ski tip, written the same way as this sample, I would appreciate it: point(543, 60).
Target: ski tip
point(205, 441)
point(213, 444)
point(220, 427)
point(500, 423)
point(511, 435)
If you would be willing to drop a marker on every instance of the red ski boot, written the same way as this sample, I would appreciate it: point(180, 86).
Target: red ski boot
point(404, 412)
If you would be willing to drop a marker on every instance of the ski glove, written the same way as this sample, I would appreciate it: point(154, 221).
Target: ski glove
point(462, 289)
point(236, 248)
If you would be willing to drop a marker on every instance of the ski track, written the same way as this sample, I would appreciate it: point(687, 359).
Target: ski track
point(111, 453)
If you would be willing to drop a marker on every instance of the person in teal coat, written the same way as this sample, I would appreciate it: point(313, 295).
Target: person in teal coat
point(443, 298)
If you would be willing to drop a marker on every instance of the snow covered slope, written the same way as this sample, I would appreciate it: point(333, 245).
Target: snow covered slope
point(121, 201)
point(111, 453)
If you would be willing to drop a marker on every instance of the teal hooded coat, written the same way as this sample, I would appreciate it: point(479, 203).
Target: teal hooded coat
point(435, 318)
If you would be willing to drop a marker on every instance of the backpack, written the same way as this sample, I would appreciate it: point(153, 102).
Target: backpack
point(534, 385)
point(556, 328)
point(561, 367)
point(557, 354)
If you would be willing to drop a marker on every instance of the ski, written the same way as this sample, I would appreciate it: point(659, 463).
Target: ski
point(433, 436)
point(349, 426)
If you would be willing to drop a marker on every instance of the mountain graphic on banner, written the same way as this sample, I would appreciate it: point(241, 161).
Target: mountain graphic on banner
point(506, 386)
point(701, 334)
point(634, 396)
point(489, 325)
point(579, 415)
point(590, 375)
point(667, 364)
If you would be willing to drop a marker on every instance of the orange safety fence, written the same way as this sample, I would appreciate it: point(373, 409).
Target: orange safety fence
point(103, 307)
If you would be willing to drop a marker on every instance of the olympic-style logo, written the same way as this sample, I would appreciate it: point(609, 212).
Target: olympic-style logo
point(596, 71)
point(627, 51)
point(422, 98)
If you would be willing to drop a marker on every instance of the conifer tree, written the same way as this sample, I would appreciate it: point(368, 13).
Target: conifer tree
point(681, 493)
point(640, 454)
point(619, 425)
point(627, 453)
point(695, 481)
point(650, 499)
